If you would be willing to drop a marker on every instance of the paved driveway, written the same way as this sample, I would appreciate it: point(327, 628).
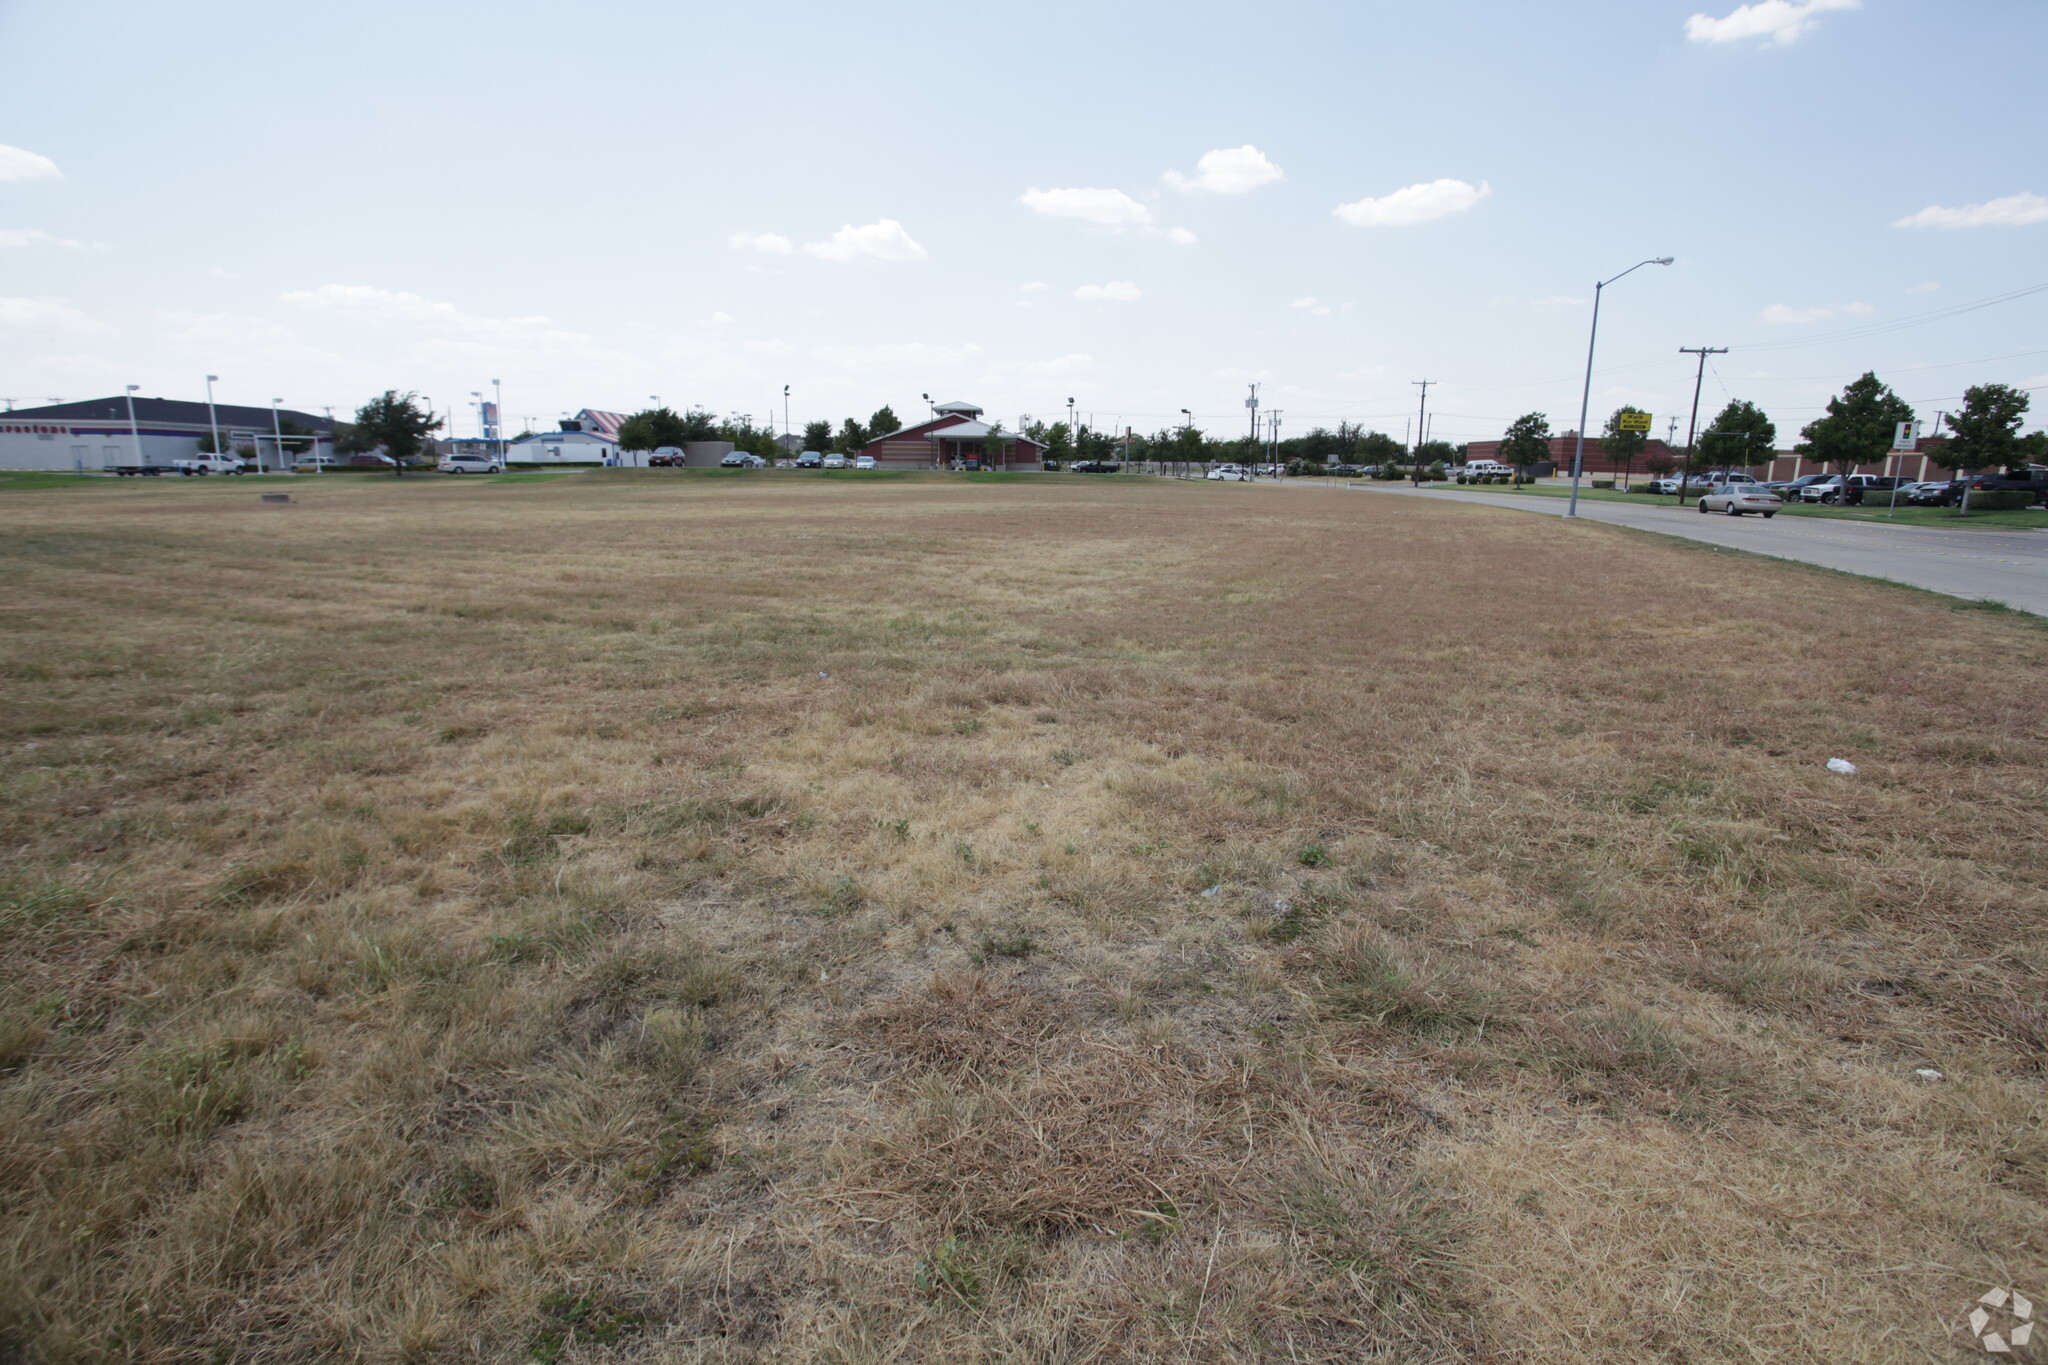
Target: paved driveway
point(1998, 566)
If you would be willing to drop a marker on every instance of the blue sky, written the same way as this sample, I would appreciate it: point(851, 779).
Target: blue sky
point(599, 202)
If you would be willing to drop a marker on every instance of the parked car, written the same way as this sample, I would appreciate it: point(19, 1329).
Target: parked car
point(1051, 465)
point(666, 457)
point(1094, 467)
point(735, 460)
point(835, 461)
point(1228, 473)
point(1668, 484)
point(810, 459)
point(1347, 471)
point(863, 462)
point(147, 471)
point(371, 460)
point(315, 463)
point(1719, 479)
point(470, 464)
point(1737, 498)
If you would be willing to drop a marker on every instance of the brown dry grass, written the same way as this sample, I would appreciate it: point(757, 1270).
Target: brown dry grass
point(666, 919)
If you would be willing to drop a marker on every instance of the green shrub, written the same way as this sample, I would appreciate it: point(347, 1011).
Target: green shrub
point(2000, 499)
point(1463, 479)
point(1603, 483)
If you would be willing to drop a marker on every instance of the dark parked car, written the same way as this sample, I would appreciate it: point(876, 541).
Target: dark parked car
point(1095, 467)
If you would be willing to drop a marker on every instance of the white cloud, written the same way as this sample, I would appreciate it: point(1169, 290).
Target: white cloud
point(1414, 204)
point(48, 315)
point(2015, 210)
point(1227, 170)
point(1180, 236)
point(1925, 287)
point(37, 237)
point(904, 355)
point(1780, 21)
point(1311, 307)
point(880, 241)
point(1110, 208)
point(1034, 287)
point(1066, 364)
point(1237, 376)
point(719, 319)
point(1779, 315)
point(389, 307)
point(16, 164)
point(1116, 291)
point(768, 347)
point(1557, 301)
point(767, 243)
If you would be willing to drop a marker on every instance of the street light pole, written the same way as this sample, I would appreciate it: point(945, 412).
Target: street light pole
point(498, 421)
point(1180, 465)
point(134, 431)
point(212, 420)
point(277, 435)
point(785, 417)
point(1586, 393)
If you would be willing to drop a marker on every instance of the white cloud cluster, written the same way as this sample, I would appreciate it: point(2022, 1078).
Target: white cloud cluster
point(1778, 21)
point(1116, 291)
point(1414, 204)
point(909, 356)
point(1779, 314)
point(1311, 307)
point(1227, 170)
point(37, 237)
point(2014, 210)
point(879, 241)
point(1108, 208)
point(16, 164)
point(885, 240)
point(48, 315)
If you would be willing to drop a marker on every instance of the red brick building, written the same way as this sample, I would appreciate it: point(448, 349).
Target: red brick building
point(954, 433)
point(1597, 461)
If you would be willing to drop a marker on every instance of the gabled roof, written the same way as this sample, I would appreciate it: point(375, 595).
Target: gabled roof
point(978, 431)
point(606, 423)
point(957, 406)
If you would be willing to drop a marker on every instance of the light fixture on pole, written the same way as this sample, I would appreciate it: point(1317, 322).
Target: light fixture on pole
point(785, 416)
point(498, 421)
point(133, 430)
point(1586, 393)
point(481, 431)
point(212, 420)
point(1184, 426)
point(277, 434)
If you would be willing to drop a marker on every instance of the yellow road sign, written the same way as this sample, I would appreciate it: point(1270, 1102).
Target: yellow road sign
point(1634, 421)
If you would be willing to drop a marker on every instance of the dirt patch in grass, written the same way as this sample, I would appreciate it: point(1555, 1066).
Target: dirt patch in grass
point(827, 921)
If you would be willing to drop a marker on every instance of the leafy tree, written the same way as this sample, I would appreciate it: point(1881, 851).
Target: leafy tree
point(1376, 447)
point(397, 423)
point(1986, 430)
point(1858, 428)
point(1435, 454)
point(1526, 441)
point(1741, 437)
point(1659, 461)
point(1059, 443)
point(651, 430)
point(699, 425)
point(852, 436)
point(992, 446)
point(1622, 447)
point(882, 423)
point(817, 436)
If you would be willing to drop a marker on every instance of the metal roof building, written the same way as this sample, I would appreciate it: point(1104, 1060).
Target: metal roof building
point(94, 434)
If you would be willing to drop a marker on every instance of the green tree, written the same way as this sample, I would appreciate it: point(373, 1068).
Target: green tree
point(1435, 455)
point(699, 425)
point(1741, 437)
point(1059, 443)
point(882, 423)
point(1378, 448)
point(1858, 427)
point(1987, 430)
point(1526, 441)
point(1622, 447)
point(992, 446)
point(397, 423)
point(651, 430)
point(852, 436)
point(818, 436)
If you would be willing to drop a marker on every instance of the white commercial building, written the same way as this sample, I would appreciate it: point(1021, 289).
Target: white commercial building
point(96, 434)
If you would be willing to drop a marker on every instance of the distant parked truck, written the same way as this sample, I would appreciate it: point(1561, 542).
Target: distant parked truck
point(208, 464)
point(1488, 467)
point(149, 471)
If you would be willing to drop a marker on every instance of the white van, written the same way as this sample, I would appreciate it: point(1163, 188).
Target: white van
point(1487, 467)
point(470, 464)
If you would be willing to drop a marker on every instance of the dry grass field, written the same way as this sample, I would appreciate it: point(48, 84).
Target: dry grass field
point(635, 917)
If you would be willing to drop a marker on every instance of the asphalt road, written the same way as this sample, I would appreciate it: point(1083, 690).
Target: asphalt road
point(1997, 566)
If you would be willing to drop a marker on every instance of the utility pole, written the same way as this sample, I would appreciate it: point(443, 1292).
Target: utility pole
point(1421, 413)
point(1273, 437)
point(1692, 426)
point(1252, 406)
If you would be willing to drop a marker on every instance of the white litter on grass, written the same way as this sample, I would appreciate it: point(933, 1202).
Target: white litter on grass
point(1212, 891)
point(1928, 1073)
point(1842, 766)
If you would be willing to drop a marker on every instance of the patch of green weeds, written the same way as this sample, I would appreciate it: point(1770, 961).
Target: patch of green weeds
point(1314, 855)
point(1014, 942)
point(843, 897)
point(967, 727)
point(567, 1318)
point(1067, 758)
point(944, 1273)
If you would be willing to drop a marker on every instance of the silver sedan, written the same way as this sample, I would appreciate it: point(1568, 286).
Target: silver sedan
point(1735, 499)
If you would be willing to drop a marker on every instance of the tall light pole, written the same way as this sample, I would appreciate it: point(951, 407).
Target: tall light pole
point(211, 420)
point(1586, 393)
point(498, 421)
point(1183, 426)
point(785, 417)
point(277, 435)
point(134, 431)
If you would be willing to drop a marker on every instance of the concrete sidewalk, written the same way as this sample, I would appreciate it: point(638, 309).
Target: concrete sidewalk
point(1996, 566)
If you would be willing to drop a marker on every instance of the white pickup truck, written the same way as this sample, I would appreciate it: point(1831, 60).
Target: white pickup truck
point(208, 464)
point(1486, 467)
